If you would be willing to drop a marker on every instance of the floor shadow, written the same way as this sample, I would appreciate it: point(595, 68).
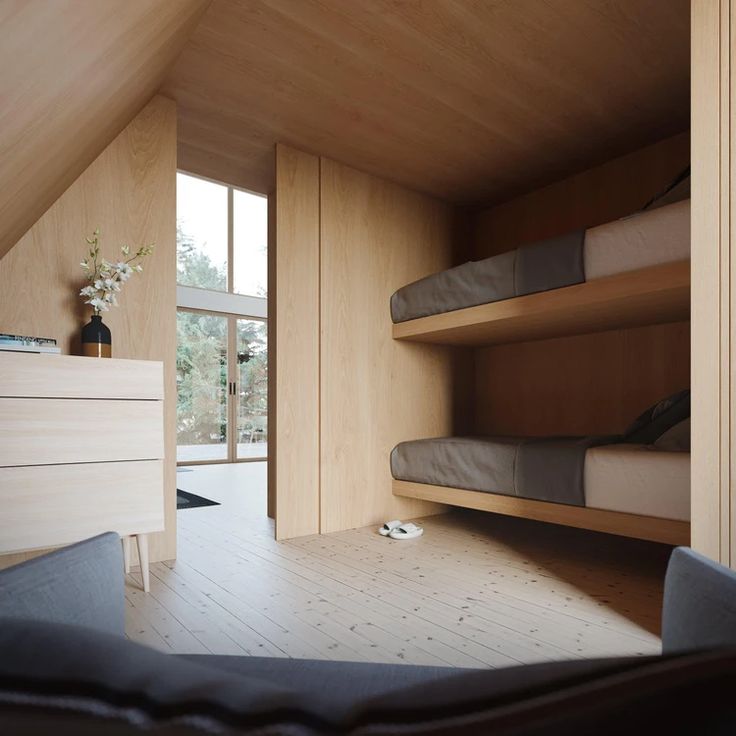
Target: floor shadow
point(624, 575)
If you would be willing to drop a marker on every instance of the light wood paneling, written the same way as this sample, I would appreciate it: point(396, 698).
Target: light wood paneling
point(467, 100)
point(593, 197)
point(47, 431)
point(74, 75)
point(375, 392)
point(294, 361)
point(67, 377)
point(714, 276)
point(648, 296)
point(668, 531)
point(591, 384)
point(61, 504)
point(129, 192)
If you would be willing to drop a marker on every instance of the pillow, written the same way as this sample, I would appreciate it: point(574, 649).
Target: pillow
point(656, 420)
point(675, 191)
point(676, 439)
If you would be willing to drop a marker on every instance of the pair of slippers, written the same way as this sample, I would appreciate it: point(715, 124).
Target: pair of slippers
point(398, 530)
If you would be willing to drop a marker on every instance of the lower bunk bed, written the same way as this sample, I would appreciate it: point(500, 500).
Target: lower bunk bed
point(634, 485)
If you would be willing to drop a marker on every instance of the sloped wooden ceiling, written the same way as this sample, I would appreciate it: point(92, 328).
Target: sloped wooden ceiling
point(471, 100)
point(73, 75)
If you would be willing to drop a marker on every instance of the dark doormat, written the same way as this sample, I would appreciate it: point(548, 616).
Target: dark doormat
point(186, 500)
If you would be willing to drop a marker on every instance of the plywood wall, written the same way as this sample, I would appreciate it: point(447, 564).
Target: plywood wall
point(615, 189)
point(74, 75)
point(713, 502)
point(293, 305)
point(589, 383)
point(346, 393)
point(129, 193)
point(375, 237)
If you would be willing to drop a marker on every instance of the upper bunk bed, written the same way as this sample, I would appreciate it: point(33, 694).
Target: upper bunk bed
point(630, 272)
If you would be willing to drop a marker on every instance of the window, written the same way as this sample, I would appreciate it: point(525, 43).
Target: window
point(250, 243)
point(201, 233)
point(222, 237)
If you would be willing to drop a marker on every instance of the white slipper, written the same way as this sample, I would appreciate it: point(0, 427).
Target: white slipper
point(388, 527)
point(406, 531)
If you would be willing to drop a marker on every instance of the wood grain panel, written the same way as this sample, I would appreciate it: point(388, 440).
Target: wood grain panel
point(590, 384)
point(667, 531)
point(61, 504)
point(593, 197)
point(67, 377)
point(47, 431)
point(707, 275)
point(294, 316)
point(129, 192)
point(74, 75)
point(375, 392)
point(647, 296)
point(469, 100)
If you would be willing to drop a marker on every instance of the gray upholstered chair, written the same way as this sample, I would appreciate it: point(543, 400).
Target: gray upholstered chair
point(66, 668)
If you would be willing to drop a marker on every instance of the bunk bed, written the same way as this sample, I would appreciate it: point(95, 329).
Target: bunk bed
point(631, 272)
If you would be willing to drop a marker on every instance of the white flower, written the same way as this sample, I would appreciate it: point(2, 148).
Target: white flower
point(88, 291)
point(124, 271)
point(111, 285)
point(100, 305)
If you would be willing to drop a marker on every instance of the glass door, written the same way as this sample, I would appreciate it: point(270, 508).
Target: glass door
point(222, 388)
point(250, 405)
point(202, 387)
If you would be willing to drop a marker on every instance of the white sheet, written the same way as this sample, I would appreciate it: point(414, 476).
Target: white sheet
point(638, 479)
point(656, 236)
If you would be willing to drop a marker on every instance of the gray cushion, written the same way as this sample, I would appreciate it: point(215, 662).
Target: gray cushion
point(342, 684)
point(72, 677)
point(699, 610)
point(80, 584)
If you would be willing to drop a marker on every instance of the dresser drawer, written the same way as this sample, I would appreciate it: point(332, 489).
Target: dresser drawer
point(46, 506)
point(45, 431)
point(72, 377)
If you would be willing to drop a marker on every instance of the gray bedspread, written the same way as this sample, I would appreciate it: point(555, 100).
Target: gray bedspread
point(546, 469)
point(548, 264)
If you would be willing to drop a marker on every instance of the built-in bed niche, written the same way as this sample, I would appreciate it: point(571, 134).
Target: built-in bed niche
point(581, 359)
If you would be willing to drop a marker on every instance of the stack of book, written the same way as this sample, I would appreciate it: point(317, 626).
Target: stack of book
point(25, 344)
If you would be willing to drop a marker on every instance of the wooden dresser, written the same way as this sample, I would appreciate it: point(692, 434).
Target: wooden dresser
point(81, 451)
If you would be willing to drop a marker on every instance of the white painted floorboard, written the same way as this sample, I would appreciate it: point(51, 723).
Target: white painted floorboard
point(477, 590)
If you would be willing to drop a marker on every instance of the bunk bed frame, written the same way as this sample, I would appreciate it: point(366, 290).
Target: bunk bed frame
point(653, 295)
point(652, 528)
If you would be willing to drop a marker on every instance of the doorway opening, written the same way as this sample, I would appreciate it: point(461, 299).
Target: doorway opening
point(222, 347)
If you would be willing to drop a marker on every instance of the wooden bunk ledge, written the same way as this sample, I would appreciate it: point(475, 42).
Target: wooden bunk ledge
point(649, 296)
point(667, 531)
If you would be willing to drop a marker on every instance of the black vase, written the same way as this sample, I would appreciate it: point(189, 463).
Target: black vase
point(96, 339)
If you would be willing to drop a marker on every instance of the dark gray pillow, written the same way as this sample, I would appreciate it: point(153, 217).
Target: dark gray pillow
point(675, 439)
point(649, 426)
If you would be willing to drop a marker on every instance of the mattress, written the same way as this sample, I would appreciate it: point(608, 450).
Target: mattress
point(635, 479)
point(656, 236)
point(660, 235)
point(638, 479)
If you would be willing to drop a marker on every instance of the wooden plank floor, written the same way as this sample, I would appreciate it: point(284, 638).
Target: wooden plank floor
point(477, 590)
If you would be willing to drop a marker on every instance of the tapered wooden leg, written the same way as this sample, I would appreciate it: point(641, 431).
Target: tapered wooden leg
point(126, 554)
point(142, 542)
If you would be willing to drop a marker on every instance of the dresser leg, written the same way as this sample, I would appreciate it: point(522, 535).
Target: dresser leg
point(142, 541)
point(126, 554)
